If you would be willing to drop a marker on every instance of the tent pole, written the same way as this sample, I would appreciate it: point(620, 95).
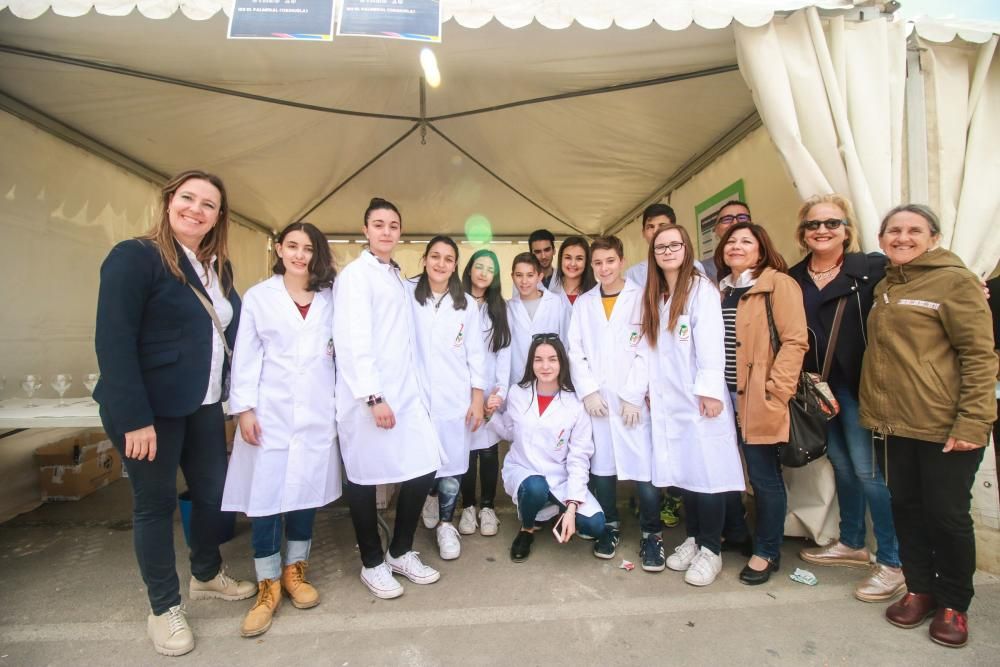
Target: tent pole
point(691, 168)
point(918, 174)
point(71, 135)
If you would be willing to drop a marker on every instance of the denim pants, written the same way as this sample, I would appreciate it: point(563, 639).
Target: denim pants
point(605, 489)
point(859, 481)
point(931, 498)
point(447, 494)
point(770, 498)
point(197, 445)
point(534, 494)
point(266, 540)
point(734, 527)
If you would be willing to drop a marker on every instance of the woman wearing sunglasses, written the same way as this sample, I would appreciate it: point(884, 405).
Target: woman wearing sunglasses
point(835, 274)
point(551, 444)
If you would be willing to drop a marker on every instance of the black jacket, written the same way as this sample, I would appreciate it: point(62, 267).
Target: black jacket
point(153, 338)
point(857, 279)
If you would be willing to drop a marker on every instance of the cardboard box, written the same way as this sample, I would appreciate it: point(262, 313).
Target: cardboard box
point(76, 466)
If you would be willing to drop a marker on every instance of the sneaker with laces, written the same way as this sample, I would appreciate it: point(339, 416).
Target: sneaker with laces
point(467, 522)
point(884, 583)
point(410, 566)
point(607, 544)
point(680, 560)
point(221, 587)
point(380, 581)
point(837, 553)
point(431, 513)
point(651, 553)
point(258, 619)
point(449, 542)
point(704, 568)
point(170, 632)
point(489, 524)
point(670, 510)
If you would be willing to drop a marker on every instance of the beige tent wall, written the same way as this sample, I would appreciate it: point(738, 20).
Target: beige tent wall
point(63, 209)
point(769, 191)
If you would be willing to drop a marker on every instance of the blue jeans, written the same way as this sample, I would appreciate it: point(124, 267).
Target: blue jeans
point(266, 540)
point(605, 489)
point(859, 481)
point(770, 498)
point(447, 493)
point(534, 494)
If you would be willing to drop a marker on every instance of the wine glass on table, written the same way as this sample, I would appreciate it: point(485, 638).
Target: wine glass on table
point(61, 384)
point(30, 384)
point(90, 382)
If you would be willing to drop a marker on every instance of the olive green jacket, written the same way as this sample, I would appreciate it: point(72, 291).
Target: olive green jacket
point(930, 368)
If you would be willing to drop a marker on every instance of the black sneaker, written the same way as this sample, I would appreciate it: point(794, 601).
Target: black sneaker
point(607, 544)
point(651, 554)
point(521, 548)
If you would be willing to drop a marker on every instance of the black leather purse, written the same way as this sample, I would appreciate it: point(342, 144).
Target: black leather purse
point(813, 404)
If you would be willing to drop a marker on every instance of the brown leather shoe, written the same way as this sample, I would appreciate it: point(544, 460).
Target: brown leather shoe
point(293, 580)
point(950, 628)
point(911, 610)
point(258, 619)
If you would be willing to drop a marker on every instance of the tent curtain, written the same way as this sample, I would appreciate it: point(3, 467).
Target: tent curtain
point(831, 93)
point(962, 97)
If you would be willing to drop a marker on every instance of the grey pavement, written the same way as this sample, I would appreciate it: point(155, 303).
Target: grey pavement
point(71, 595)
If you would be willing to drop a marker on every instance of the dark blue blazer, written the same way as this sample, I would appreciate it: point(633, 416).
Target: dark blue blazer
point(153, 338)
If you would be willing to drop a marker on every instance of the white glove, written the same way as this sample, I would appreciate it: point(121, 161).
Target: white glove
point(630, 414)
point(595, 405)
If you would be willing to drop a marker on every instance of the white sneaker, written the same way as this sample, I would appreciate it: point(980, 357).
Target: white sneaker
point(467, 523)
point(380, 581)
point(431, 513)
point(489, 524)
point(170, 632)
point(681, 559)
point(449, 543)
point(410, 566)
point(704, 568)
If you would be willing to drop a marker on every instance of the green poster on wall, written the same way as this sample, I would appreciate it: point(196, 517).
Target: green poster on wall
point(705, 213)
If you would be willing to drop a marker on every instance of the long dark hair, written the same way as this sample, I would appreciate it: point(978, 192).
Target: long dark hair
point(564, 380)
point(495, 307)
point(657, 290)
point(423, 290)
point(378, 203)
point(769, 255)
point(587, 280)
point(321, 268)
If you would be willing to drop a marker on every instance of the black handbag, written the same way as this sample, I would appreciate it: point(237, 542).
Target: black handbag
point(813, 404)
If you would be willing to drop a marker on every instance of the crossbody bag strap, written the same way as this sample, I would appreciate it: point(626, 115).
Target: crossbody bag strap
point(834, 332)
point(772, 329)
point(210, 309)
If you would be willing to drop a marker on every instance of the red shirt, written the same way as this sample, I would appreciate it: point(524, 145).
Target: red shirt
point(572, 298)
point(303, 309)
point(543, 402)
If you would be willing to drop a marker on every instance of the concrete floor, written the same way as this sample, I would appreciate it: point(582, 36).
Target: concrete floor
point(72, 596)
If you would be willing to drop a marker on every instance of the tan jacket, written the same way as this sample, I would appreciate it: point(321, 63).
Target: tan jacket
point(764, 383)
point(930, 368)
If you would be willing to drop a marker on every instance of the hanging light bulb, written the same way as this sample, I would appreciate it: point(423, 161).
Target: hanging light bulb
point(428, 62)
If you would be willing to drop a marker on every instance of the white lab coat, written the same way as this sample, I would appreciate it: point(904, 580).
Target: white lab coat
point(283, 369)
point(551, 317)
point(692, 452)
point(601, 351)
point(376, 354)
point(496, 371)
point(452, 360)
point(556, 444)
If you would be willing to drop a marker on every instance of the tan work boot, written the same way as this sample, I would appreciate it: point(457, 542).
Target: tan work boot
point(884, 583)
point(221, 587)
point(293, 581)
point(837, 553)
point(170, 632)
point(258, 619)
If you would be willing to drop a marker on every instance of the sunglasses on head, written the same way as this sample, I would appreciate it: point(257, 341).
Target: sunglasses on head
point(831, 224)
point(730, 219)
point(544, 337)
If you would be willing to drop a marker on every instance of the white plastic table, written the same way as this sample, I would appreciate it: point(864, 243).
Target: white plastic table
point(78, 412)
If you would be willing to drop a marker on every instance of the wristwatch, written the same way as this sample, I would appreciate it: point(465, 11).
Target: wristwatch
point(374, 399)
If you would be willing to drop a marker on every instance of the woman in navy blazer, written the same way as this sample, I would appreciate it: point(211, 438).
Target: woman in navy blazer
point(163, 368)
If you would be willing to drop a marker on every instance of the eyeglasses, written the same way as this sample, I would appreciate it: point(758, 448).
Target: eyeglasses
point(545, 337)
point(831, 224)
point(730, 219)
point(673, 247)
